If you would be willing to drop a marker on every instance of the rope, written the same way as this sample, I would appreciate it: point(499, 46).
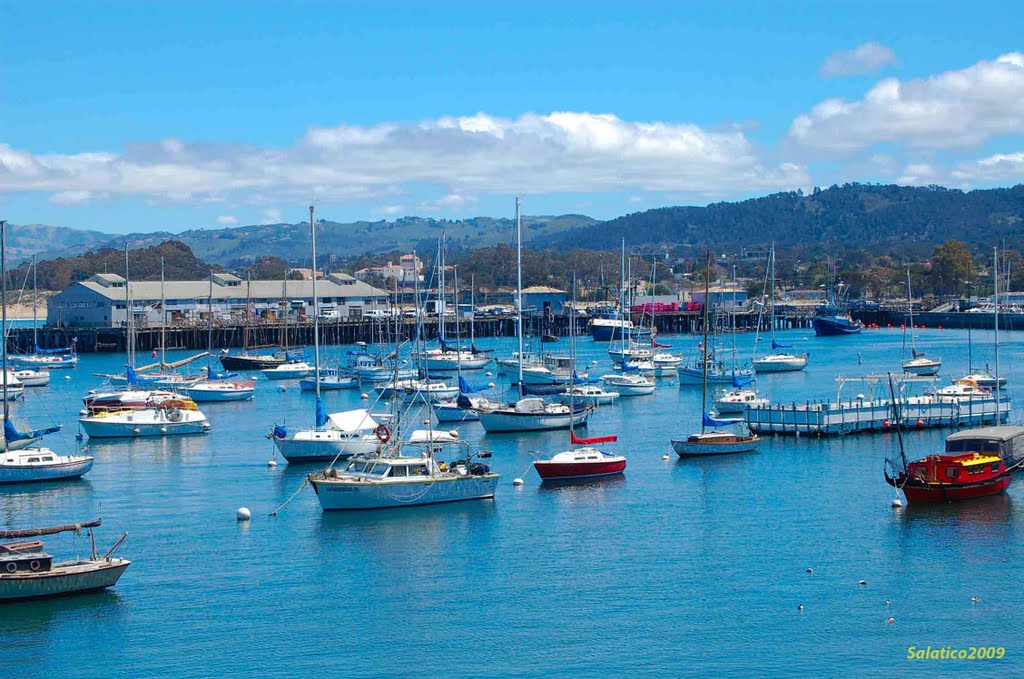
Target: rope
point(290, 498)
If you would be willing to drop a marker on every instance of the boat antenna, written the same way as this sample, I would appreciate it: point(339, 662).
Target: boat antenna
point(519, 291)
point(704, 345)
point(3, 314)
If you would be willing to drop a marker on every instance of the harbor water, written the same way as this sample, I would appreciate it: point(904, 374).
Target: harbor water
point(681, 568)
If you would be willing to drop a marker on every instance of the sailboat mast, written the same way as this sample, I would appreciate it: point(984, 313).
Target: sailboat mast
point(970, 352)
point(735, 353)
point(519, 291)
point(995, 315)
point(130, 339)
point(35, 304)
point(572, 364)
point(284, 313)
point(163, 319)
point(3, 313)
point(440, 289)
point(622, 302)
point(472, 312)
point(458, 335)
point(209, 331)
point(704, 345)
point(772, 316)
point(910, 309)
point(316, 314)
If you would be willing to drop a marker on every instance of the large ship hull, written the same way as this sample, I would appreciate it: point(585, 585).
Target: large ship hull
point(832, 326)
point(354, 495)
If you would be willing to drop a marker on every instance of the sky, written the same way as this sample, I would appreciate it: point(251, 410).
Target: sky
point(128, 116)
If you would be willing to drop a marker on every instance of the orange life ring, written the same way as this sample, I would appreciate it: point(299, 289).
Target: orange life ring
point(383, 433)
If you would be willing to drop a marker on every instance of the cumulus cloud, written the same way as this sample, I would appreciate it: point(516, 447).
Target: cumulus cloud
point(460, 156)
point(272, 216)
point(76, 197)
point(917, 173)
point(450, 202)
point(390, 210)
point(952, 109)
point(1001, 167)
point(227, 220)
point(861, 60)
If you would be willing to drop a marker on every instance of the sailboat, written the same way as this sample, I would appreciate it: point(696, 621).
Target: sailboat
point(43, 359)
point(778, 361)
point(161, 413)
point(529, 413)
point(715, 442)
point(218, 387)
point(248, 360)
point(707, 367)
point(829, 319)
point(27, 572)
point(918, 364)
point(461, 408)
point(20, 461)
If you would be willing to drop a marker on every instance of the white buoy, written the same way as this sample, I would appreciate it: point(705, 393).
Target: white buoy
point(896, 502)
point(665, 457)
point(282, 389)
point(593, 363)
point(517, 481)
point(67, 377)
point(890, 620)
point(163, 430)
point(271, 463)
point(490, 385)
point(810, 570)
point(364, 396)
point(489, 374)
point(137, 430)
point(862, 583)
point(243, 514)
point(83, 412)
point(453, 433)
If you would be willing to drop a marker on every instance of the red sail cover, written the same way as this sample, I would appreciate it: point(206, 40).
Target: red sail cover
point(659, 346)
point(592, 441)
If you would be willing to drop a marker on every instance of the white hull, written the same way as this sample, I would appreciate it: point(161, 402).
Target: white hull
point(451, 412)
point(922, 368)
point(150, 422)
point(780, 364)
point(453, 364)
point(688, 449)
point(503, 421)
point(324, 446)
point(33, 378)
point(216, 393)
point(339, 495)
point(14, 469)
point(50, 362)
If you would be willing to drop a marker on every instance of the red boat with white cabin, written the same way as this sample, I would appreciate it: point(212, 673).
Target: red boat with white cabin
point(976, 463)
point(585, 462)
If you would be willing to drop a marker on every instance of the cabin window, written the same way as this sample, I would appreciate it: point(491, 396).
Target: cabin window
point(420, 470)
point(33, 459)
point(357, 467)
point(399, 471)
point(952, 472)
point(995, 467)
point(975, 469)
point(379, 470)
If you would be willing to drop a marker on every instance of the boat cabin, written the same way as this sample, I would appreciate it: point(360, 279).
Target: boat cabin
point(16, 562)
point(957, 469)
point(394, 468)
point(1004, 442)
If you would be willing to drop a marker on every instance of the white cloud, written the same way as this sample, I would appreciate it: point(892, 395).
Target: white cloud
point(75, 197)
point(861, 60)
point(636, 199)
point(450, 202)
point(952, 109)
point(272, 216)
point(563, 152)
point(390, 210)
point(917, 173)
point(227, 220)
point(1001, 167)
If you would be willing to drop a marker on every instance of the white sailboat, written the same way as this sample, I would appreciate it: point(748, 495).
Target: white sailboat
point(714, 442)
point(218, 388)
point(41, 360)
point(918, 364)
point(528, 414)
point(777, 361)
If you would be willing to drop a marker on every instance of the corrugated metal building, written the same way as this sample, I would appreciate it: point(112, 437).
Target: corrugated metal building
point(100, 301)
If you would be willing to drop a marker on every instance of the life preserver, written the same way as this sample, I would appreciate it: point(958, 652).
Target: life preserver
point(11, 566)
point(383, 433)
point(34, 566)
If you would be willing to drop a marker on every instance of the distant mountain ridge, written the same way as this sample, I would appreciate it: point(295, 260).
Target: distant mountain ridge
point(852, 215)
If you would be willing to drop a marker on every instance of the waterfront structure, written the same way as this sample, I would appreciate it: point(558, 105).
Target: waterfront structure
point(99, 301)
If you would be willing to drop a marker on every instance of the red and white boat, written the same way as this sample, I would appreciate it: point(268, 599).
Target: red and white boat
point(586, 462)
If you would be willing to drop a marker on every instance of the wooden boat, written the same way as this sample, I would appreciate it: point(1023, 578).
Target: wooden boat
point(27, 572)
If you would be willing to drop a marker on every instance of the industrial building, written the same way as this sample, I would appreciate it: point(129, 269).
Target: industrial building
point(99, 302)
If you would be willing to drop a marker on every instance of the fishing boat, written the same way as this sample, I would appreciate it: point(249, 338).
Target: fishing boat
point(32, 378)
point(583, 463)
point(918, 364)
point(331, 379)
point(629, 351)
point(778, 361)
point(715, 442)
point(426, 391)
point(395, 479)
point(555, 370)
point(511, 364)
point(291, 370)
point(218, 387)
point(612, 329)
point(27, 572)
point(830, 320)
point(715, 371)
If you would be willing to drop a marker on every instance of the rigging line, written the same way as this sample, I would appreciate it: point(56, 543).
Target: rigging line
point(290, 498)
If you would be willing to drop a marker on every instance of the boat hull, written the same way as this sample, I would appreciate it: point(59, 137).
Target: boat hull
point(99, 429)
point(322, 447)
point(825, 326)
point(686, 448)
point(74, 578)
point(351, 496)
point(55, 472)
point(780, 366)
point(453, 413)
point(250, 362)
point(328, 384)
point(566, 471)
point(940, 493)
point(500, 421)
point(221, 395)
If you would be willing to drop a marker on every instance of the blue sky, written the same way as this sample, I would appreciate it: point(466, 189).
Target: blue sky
point(174, 115)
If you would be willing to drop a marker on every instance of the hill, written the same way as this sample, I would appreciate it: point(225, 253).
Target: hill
point(47, 242)
point(848, 216)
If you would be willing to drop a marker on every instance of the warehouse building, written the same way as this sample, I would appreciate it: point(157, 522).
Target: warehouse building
point(99, 302)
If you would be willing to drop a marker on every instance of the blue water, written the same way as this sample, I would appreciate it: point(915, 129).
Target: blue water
point(682, 568)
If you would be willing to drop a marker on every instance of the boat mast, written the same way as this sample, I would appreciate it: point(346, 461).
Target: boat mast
point(995, 315)
point(248, 312)
point(622, 303)
point(735, 353)
point(130, 339)
point(704, 363)
point(970, 354)
point(519, 291)
point(472, 312)
point(772, 316)
point(3, 314)
point(163, 319)
point(316, 319)
point(209, 331)
point(284, 313)
point(910, 308)
point(35, 300)
point(572, 364)
point(458, 335)
point(440, 290)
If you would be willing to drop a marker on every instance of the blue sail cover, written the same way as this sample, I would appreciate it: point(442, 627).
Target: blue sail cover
point(64, 350)
point(466, 389)
point(130, 375)
point(779, 345)
point(321, 413)
point(11, 434)
point(280, 432)
point(740, 382)
point(712, 422)
point(628, 368)
point(543, 389)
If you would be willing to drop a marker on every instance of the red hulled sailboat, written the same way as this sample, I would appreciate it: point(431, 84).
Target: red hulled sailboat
point(585, 462)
